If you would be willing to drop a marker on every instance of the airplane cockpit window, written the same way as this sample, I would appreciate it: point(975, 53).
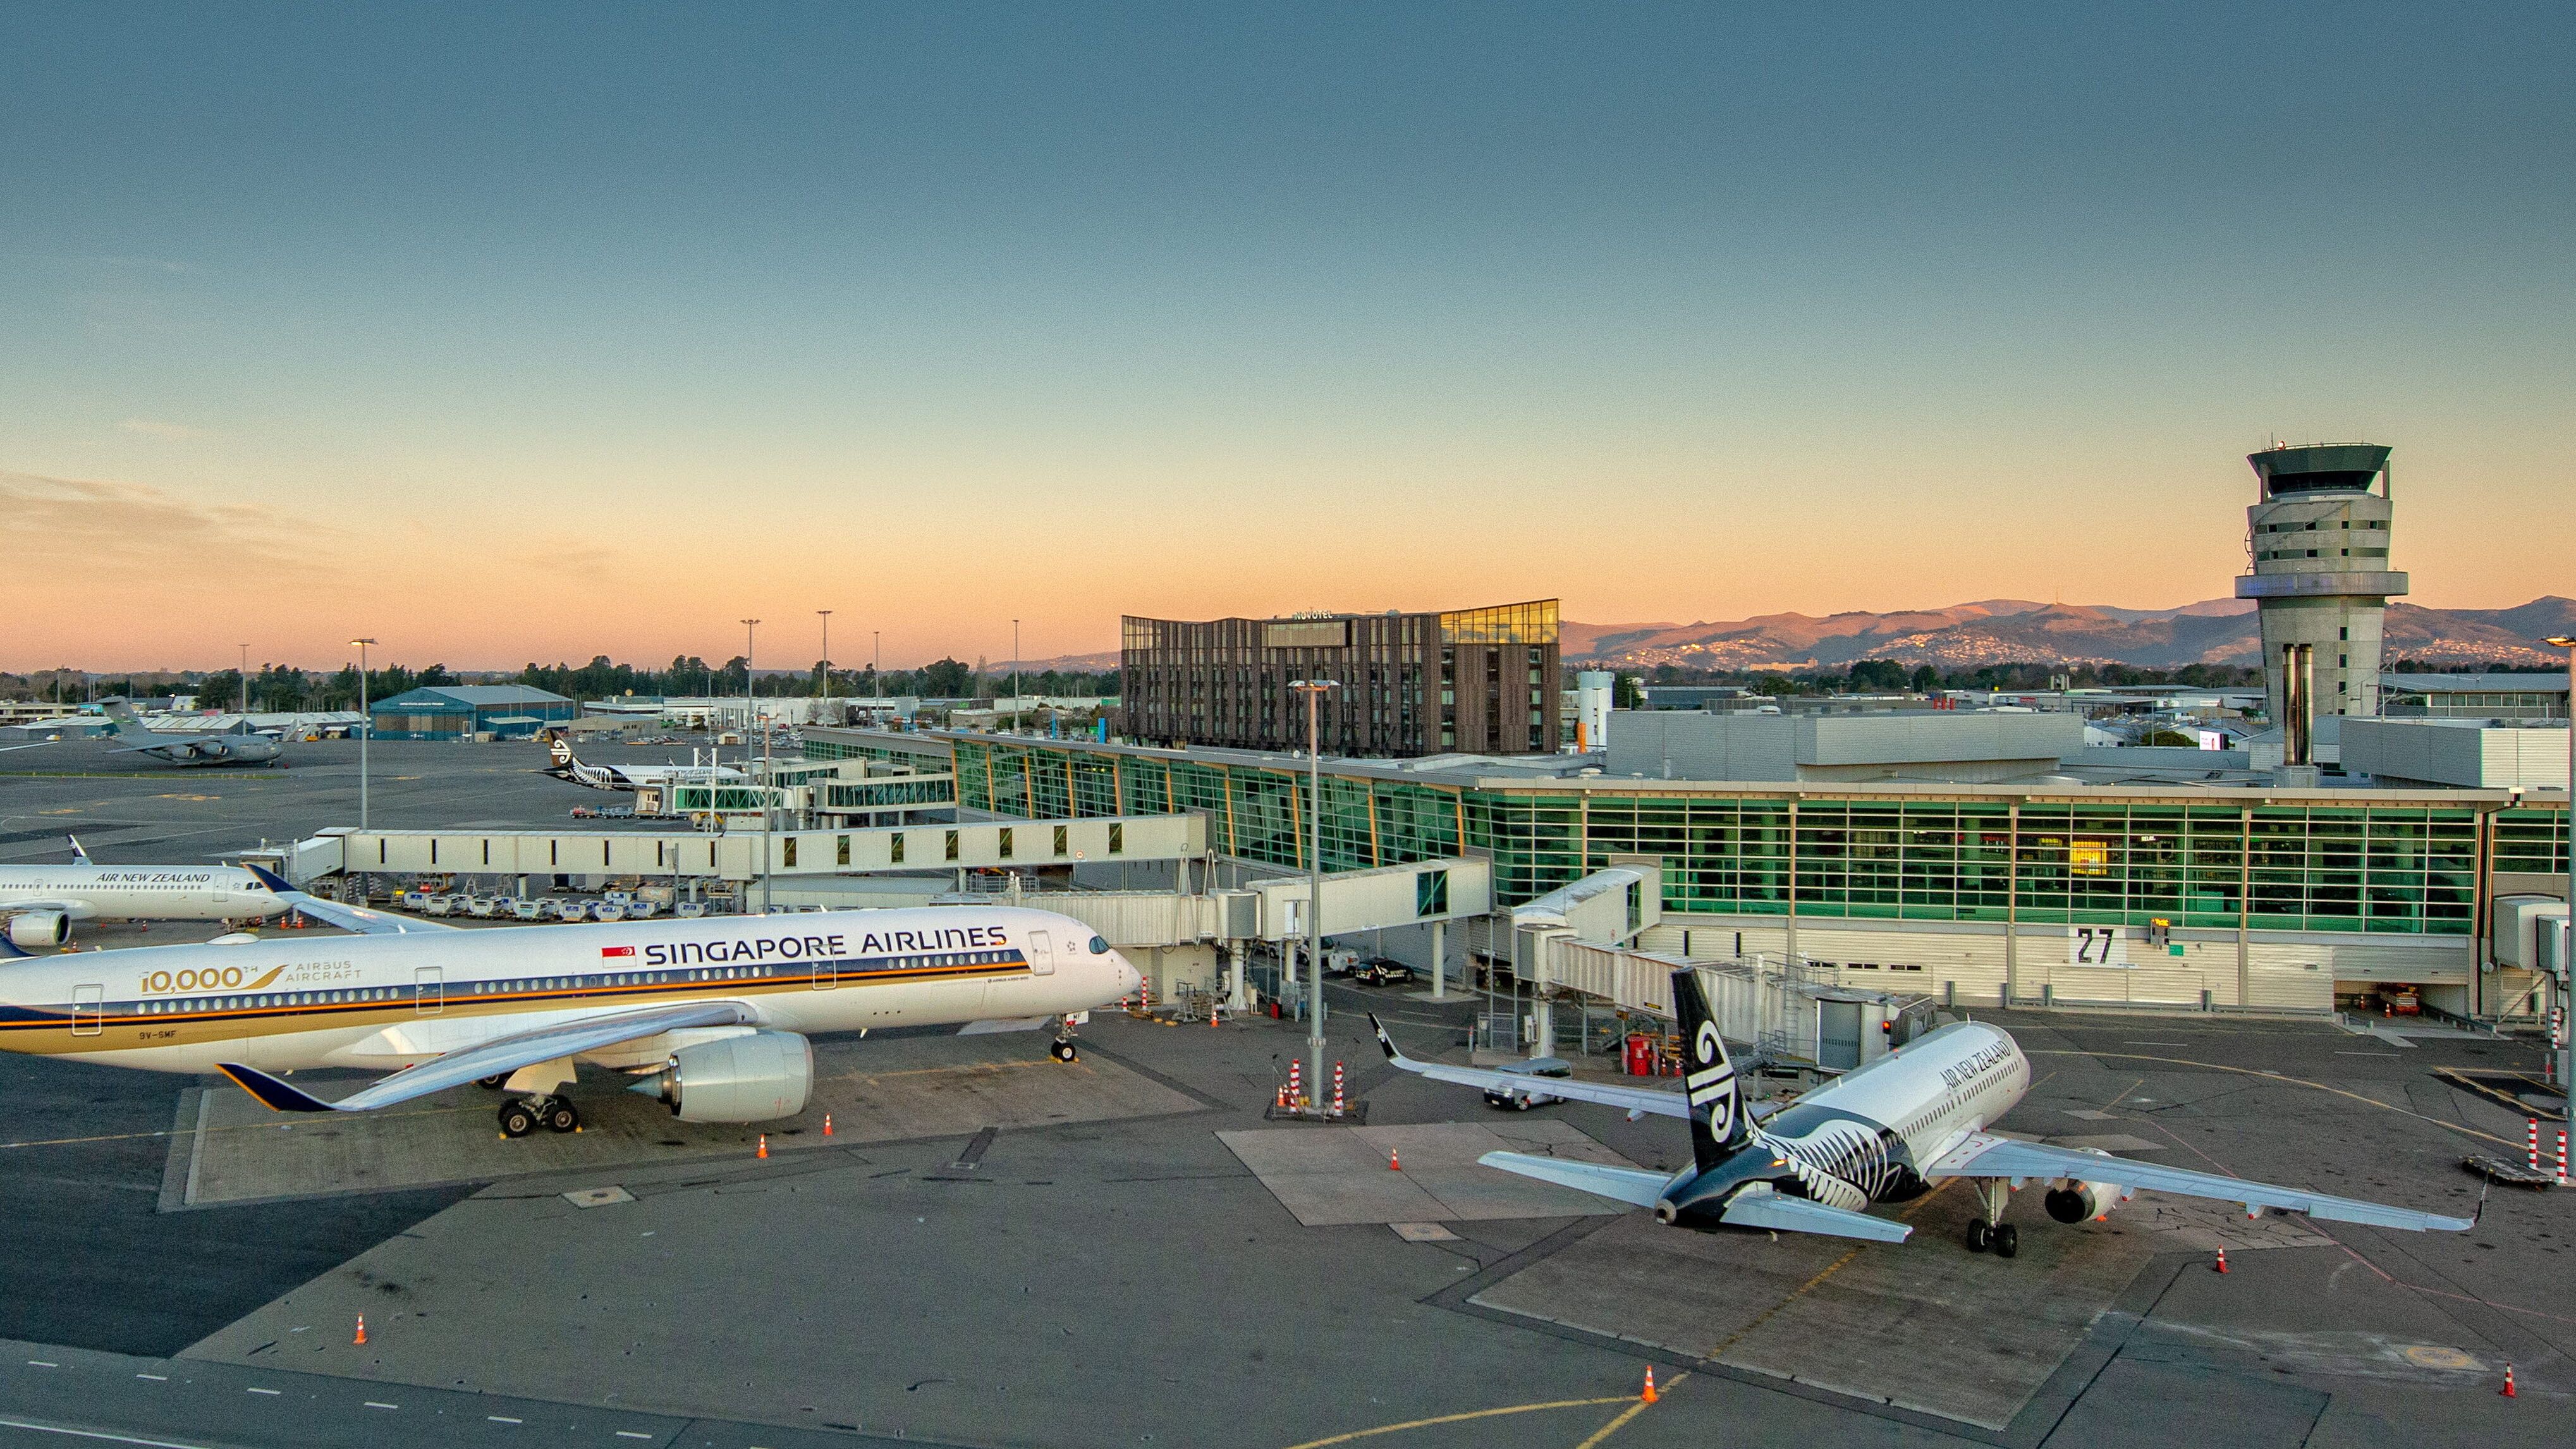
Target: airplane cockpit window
point(1099, 947)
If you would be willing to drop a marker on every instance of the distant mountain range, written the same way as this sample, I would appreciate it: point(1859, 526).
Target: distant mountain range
point(2019, 631)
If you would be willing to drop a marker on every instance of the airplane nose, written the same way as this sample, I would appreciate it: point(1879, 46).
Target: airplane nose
point(1129, 978)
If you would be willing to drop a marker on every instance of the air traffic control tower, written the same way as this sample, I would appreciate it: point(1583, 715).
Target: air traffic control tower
point(2319, 542)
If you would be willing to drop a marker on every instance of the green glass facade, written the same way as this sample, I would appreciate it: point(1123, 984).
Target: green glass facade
point(2401, 868)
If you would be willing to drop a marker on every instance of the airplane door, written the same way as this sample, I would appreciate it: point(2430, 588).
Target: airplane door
point(89, 1010)
point(1838, 1035)
point(428, 996)
point(1041, 953)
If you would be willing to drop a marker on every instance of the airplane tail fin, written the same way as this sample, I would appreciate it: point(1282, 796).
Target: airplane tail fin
point(1718, 1122)
point(121, 718)
point(559, 753)
point(79, 856)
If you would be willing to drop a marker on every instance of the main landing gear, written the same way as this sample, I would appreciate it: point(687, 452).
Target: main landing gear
point(1989, 1230)
point(522, 1117)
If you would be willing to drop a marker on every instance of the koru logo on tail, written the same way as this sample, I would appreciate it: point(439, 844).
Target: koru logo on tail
point(1711, 1083)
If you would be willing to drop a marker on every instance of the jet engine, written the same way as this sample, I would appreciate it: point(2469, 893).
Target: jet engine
point(2076, 1201)
point(39, 928)
point(751, 1078)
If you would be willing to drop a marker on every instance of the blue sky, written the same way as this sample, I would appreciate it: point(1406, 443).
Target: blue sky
point(599, 316)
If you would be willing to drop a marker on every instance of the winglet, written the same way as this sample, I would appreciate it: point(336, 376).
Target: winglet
point(1385, 1043)
point(272, 1093)
point(276, 884)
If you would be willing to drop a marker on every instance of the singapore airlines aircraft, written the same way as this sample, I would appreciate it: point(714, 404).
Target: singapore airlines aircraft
point(42, 901)
point(1887, 1132)
point(712, 1014)
point(563, 764)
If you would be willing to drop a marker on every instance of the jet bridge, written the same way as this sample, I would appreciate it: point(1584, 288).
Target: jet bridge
point(747, 855)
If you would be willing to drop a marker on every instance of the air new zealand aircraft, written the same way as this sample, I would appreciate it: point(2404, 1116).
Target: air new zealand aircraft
point(1887, 1132)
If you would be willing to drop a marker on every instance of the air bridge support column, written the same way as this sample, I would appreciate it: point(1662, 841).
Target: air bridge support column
point(1439, 961)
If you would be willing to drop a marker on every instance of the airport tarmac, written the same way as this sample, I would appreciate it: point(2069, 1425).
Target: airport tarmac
point(994, 1250)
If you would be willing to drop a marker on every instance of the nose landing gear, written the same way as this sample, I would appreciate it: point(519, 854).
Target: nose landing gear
point(1062, 1048)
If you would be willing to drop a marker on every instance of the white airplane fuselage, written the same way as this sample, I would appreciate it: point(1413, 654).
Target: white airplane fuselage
point(329, 1000)
point(1869, 1135)
point(138, 892)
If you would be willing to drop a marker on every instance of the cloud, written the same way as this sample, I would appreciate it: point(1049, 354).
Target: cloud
point(150, 428)
point(121, 534)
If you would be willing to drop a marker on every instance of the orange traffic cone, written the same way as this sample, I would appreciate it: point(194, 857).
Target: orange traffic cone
point(764, 1144)
point(827, 1124)
point(1650, 1395)
point(2508, 1382)
point(362, 1338)
point(2222, 1260)
point(1394, 1161)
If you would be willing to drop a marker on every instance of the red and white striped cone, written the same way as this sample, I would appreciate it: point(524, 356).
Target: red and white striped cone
point(2222, 1260)
point(2508, 1383)
point(1296, 1083)
point(1337, 1089)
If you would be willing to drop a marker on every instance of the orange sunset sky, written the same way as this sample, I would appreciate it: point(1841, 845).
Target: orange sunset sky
point(578, 340)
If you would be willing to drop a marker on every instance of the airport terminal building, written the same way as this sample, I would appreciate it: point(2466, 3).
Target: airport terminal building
point(2190, 897)
point(1484, 681)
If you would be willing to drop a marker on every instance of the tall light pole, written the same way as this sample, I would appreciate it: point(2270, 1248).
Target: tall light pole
point(1314, 689)
point(876, 660)
point(1015, 676)
point(827, 655)
point(2566, 1029)
point(748, 625)
point(243, 674)
point(366, 728)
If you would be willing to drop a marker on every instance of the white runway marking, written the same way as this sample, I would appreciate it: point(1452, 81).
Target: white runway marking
point(33, 1427)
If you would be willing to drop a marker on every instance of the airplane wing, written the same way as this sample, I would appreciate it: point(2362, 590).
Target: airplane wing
point(1760, 1206)
point(491, 1058)
point(1634, 1100)
point(38, 745)
point(1982, 1155)
point(359, 919)
point(1626, 1184)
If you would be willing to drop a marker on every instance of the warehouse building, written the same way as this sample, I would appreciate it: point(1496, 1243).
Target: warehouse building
point(464, 711)
point(1484, 681)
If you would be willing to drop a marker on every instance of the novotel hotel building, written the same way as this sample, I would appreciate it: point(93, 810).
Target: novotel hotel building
point(1476, 681)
